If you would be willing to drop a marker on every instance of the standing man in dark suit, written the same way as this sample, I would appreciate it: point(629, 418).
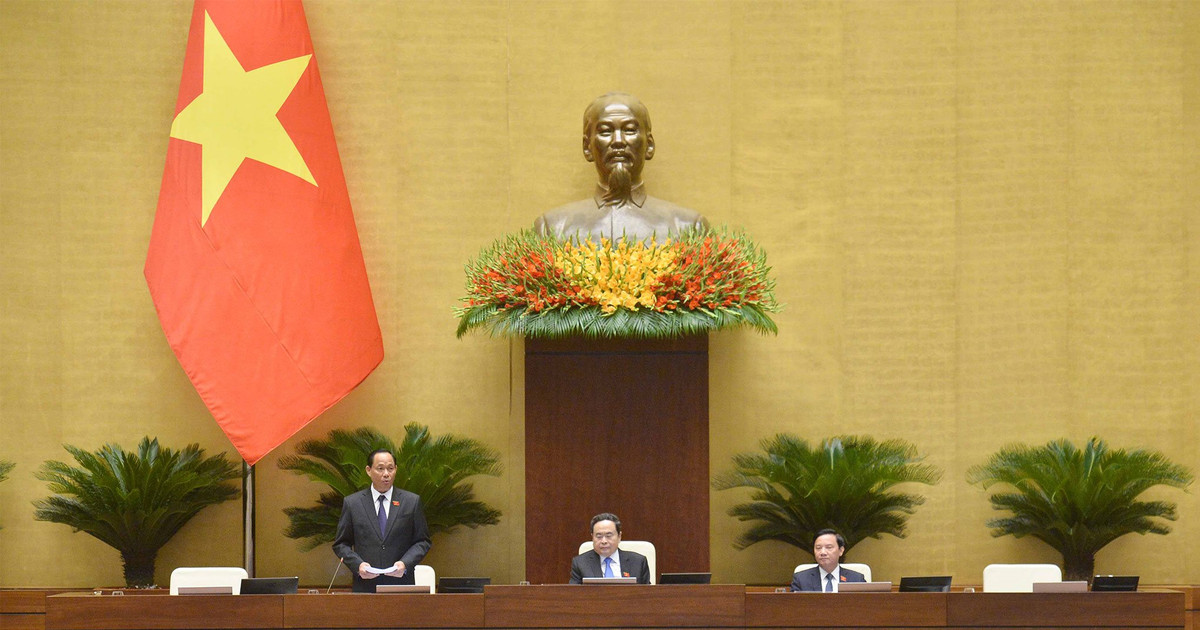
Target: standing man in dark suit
point(382, 534)
point(828, 547)
point(606, 559)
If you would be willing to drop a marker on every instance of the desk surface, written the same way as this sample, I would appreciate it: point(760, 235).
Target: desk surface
point(561, 606)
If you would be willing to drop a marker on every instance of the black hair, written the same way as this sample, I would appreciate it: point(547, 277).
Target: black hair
point(371, 457)
point(605, 516)
point(825, 532)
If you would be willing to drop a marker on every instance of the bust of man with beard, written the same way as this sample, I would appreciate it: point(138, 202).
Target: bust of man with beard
point(617, 138)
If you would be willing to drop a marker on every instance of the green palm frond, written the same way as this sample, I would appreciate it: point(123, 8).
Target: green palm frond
point(1078, 500)
point(134, 502)
point(847, 483)
point(591, 322)
point(433, 468)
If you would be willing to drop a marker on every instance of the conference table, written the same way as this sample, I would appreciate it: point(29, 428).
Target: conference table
point(610, 606)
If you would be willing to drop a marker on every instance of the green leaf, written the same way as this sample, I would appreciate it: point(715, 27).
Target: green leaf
point(1077, 500)
point(134, 501)
point(433, 468)
point(847, 483)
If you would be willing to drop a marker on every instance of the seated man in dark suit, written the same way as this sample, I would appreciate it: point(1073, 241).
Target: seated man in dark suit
point(828, 547)
point(606, 559)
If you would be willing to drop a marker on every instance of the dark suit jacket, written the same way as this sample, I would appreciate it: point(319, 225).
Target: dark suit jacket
point(587, 564)
point(358, 539)
point(810, 579)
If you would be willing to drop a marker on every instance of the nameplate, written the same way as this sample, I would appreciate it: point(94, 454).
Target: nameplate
point(1073, 586)
point(205, 590)
point(402, 588)
point(865, 587)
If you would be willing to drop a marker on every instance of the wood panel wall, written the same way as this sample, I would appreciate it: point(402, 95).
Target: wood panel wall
point(622, 427)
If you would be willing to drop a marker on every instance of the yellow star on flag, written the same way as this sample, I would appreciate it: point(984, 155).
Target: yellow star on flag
point(234, 118)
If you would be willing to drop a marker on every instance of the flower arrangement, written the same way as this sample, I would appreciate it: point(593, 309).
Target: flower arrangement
point(541, 286)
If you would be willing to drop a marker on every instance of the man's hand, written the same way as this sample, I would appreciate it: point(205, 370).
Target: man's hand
point(398, 570)
point(364, 573)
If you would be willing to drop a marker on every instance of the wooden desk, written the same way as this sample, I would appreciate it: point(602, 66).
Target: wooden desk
point(84, 611)
point(562, 606)
point(609, 606)
point(395, 610)
point(1162, 609)
point(843, 610)
point(23, 610)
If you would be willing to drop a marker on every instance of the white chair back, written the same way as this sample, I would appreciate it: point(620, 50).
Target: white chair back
point(1018, 578)
point(853, 566)
point(643, 547)
point(424, 575)
point(208, 576)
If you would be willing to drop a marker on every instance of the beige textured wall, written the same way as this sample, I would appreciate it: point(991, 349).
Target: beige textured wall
point(981, 215)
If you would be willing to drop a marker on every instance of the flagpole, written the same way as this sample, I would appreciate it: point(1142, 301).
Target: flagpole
point(248, 517)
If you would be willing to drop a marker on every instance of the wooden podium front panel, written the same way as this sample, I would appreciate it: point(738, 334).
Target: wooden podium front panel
point(1147, 609)
point(845, 610)
point(615, 606)
point(616, 426)
point(75, 611)
point(384, 610)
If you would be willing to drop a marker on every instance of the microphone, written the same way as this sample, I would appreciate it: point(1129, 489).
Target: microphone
point(335, 572)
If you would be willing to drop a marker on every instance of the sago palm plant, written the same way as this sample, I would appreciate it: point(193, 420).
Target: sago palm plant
point(1077, 501)
point(134, 502)
point(847, 483)
point(432, 468)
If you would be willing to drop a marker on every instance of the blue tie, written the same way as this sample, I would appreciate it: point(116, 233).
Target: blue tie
point(828, 582)
point(608, 567)
point(382, 515)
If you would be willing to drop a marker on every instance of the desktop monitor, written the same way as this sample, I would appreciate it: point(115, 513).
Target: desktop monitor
point(270, 585)
point(1113, 583)
point(925, 584)
point(462, 584)
point(685, 578)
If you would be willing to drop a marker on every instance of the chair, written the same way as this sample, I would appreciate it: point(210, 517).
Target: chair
point(853, 566)
point(640, 546)
point(208, 576)
point(424, 575)
point(1018, 578)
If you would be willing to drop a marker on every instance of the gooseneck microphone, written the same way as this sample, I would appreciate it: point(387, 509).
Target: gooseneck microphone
point(335, 572)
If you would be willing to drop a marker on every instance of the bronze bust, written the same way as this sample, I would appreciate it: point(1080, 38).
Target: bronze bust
point(617, 138)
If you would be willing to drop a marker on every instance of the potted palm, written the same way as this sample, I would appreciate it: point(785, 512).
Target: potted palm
point(846, 482)
point(434, 469)
point(1078, 500)
point(134, 502)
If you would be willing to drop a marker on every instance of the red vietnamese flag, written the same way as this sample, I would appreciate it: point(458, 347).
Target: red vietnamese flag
point(254, 263)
